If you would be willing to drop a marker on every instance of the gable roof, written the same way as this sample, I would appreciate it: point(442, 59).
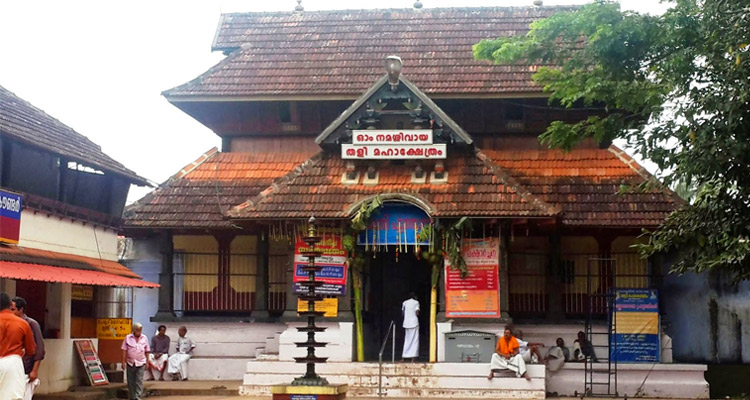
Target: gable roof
point(21, 121)
point(333, 53)
point(475, 188)
point(586, 183)
point(199, 194)
point(428, 103)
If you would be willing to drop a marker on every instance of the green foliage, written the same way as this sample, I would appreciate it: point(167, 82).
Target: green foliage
point(449, 242)
point(362, 218)
point(676, 87)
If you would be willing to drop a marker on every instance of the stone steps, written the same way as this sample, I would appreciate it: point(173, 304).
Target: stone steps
point(418, 380)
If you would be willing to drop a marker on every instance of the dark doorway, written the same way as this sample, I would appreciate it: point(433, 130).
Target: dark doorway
point(35, 294)
point(390, 284)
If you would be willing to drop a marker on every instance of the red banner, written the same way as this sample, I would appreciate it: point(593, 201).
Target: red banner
point(477, 295)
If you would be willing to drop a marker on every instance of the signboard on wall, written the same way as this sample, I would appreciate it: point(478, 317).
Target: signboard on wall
point(91, 364)
point(637, 324)
point(393, 145)
point(113, 328)
point(333, 261)
point(11, 205)
point(394, 224)
point(329, 305)
point(477, 295)
point(82, 292)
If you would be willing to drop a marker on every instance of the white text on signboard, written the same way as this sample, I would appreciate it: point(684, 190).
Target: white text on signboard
point(398, 152)
point(414, 136)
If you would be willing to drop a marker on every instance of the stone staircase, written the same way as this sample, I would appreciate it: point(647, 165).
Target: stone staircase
point(402, 380)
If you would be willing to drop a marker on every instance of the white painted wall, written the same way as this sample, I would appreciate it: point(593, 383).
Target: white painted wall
point(61, 368)
point(52, 233)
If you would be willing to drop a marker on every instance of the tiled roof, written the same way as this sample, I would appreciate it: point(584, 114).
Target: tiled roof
point(585, 184)
point(23, 122)
point(197, 196)
point(44, 257)
point(475, 187)
point(340, 52)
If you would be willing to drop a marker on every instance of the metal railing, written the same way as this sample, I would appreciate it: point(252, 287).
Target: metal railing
point(391, 329)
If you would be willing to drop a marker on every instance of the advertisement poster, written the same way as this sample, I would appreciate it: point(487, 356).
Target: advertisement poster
point(637, 324)
point(333, 262)
point(477, 295)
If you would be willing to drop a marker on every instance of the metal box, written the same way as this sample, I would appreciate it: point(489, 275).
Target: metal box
point(469, 346)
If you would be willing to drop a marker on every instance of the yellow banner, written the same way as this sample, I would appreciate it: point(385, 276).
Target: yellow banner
point(644, 323)
point(82, 292)
point(113, 328)
point(330, 306)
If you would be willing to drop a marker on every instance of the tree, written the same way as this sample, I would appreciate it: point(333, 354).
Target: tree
point(677, 88)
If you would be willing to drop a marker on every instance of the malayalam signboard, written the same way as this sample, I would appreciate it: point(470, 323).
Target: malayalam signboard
point(393, 145)
point(637, 323)
point(477, 295)
point(113, 328)
point(91, 363)
point(10, 216)
point(329, 305)
point(333, 261)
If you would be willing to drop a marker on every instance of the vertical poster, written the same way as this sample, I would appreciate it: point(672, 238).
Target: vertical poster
point(637, 326)
point(333, 261)
point(477, 295)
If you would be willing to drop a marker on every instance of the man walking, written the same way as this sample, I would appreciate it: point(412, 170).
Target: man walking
point(16, 339)
point(135, 350)
point(410, 311)
point(31, 361)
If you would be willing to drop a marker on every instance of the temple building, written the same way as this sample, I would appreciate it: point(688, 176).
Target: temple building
point(384, 117)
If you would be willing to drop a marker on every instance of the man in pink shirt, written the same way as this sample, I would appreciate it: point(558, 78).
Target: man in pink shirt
point(134, 352)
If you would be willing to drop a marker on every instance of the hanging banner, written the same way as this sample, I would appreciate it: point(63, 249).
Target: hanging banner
point(637, 326)
point(333, 274)
point(10, 216)
point(477, 295)
point(394, 224)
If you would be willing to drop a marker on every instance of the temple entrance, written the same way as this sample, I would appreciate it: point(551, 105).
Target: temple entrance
point(390, 284)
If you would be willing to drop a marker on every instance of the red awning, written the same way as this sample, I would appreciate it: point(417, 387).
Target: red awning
point(46, 273)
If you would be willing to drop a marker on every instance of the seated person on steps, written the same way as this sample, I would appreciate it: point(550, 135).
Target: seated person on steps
point(529, 351)
point(178, 361)
point(583, 349)
point(506, 356)
point(557, 355)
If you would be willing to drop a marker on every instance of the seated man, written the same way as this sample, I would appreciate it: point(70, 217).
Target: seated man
point(157, 359)
point(178, 361)
point(557, 355)
point(529, 351)
point(506, 356)
point(582, 348)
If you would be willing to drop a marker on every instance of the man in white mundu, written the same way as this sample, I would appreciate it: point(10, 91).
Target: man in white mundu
point(178, 361)
point(410, 311)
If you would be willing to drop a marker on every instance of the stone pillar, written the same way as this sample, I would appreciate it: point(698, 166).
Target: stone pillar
point(166, 280)
point(290, 311)
point(260, 309)
point(65, 304)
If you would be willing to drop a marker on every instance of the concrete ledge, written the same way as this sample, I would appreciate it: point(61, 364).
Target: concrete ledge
point(683, 381)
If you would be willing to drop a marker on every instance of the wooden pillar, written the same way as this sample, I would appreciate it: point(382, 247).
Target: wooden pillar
point(260, 309)
point(504, 287)
point(554, 277)
point(166, 279)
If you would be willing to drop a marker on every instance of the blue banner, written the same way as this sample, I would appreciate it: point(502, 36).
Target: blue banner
point(636, 318)
point(394, 224)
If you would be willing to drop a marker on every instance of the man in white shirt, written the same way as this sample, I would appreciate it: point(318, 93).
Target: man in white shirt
point(178, 362)
point(410, 311)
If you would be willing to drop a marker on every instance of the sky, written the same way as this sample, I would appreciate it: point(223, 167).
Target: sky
point(100, 66)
